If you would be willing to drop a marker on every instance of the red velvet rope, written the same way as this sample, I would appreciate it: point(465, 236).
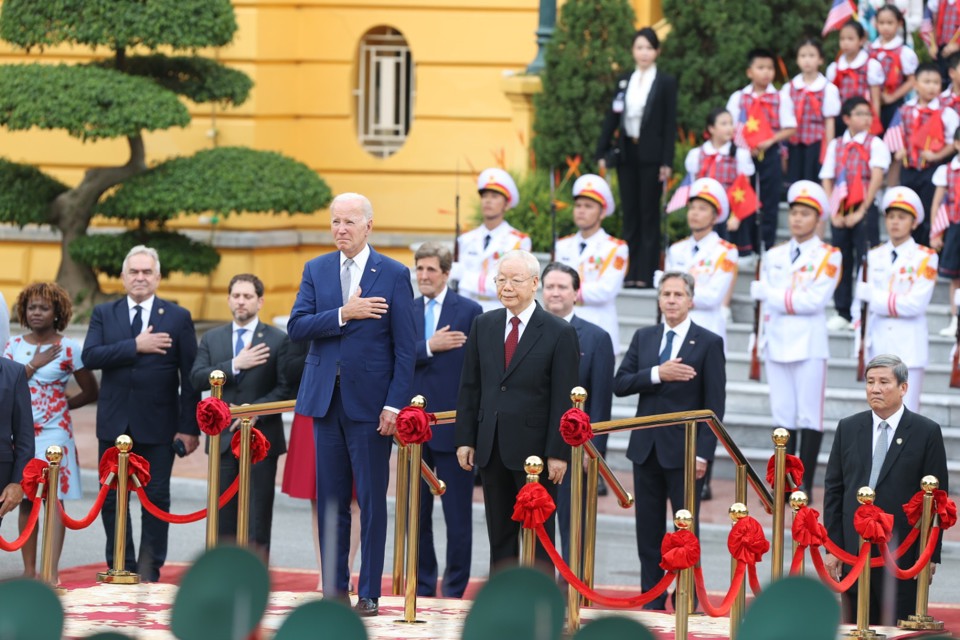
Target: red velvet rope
point(575, 427)
point(27, 530)
point(724, 607)
point(797, 560)
point(754, 580)
point(413, 425)
point(851, 578)
point(590, 594)
point(187, 518)
point(213, 416)
point(793, 467)
point(87, 520)
point(922, 560)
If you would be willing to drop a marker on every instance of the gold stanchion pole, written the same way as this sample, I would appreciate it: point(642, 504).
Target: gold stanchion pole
point(865, 495)
point(737, 511)
point(578, 395)
point(533, 465)
point(54, 455)
point(690, 498)
point(590, 530)
point(118, 575)
point(780, 439)
point(217, 380)
point(921, 619)
point(740, 603)
point(413, 525)
point(243, 493)
point(400, 518)
point(798, 500)
point(683, 520)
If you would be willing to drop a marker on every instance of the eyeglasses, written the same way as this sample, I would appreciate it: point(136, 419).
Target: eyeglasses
point(862, 114)
point(501, 282)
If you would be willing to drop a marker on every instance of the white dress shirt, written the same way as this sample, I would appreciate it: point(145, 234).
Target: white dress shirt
point(247, 338)
point(146, 308)
point(638, 91)
point(524, 321)
point(356, 272)
point(892, 422)
point(681, 334)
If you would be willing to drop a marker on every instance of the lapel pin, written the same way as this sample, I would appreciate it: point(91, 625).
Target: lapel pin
point(693, 342)
point(160, 310)
point(372, 270)
point(260, 335)
point(899, 440)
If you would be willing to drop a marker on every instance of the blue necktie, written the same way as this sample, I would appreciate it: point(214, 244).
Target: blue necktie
point(668, 349)
point(239, 346)
point(137, 325)
point(429, 323)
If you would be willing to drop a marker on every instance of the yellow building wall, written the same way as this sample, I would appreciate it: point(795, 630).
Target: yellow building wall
point(302, 57)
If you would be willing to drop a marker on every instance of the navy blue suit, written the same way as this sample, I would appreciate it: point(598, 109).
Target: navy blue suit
point(150, 398)
point(658, 454)
point(16, 423)
point(596, 376)
point(375, 360)
point(437, 379)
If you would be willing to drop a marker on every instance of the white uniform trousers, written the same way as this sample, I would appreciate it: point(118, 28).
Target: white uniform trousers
point(797, 392)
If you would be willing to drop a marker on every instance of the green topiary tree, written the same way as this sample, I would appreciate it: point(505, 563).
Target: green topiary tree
point(589, 50)
point(708, 43)
point(122, 97)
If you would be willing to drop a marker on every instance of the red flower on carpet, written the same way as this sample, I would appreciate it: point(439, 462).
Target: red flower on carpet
point(793, 468)
point(807, 530)
point(746, 541)
point(32, 475)
point(575, 427)
point(679, 550)
point(213, 416)
point(413, 425)
point(259, 445)
point(872, 523)
point(534, 505)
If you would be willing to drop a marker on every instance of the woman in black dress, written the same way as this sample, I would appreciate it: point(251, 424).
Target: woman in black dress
point(638, 137)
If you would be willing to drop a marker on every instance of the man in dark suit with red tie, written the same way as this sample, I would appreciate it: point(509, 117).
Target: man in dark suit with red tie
point(890, 449)
point(442, 318)
point(519, 366)
point(673, 366)
point(355, 306)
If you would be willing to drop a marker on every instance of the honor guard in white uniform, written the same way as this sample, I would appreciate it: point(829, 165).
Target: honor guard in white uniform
point(599, 258)
point(797, 281)
point(481, 248)
point(711, 260)
point(901, 275)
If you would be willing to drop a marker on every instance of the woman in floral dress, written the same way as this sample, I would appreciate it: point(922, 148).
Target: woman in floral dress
point(50, 360)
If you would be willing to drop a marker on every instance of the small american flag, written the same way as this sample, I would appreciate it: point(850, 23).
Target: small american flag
point(681, 195)
point(893, 138)
point(926, 26)
point(840, 12)
point(839, 193)
point(940, 221)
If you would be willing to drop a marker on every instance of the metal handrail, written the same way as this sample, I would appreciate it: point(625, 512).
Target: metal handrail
point(683, 417)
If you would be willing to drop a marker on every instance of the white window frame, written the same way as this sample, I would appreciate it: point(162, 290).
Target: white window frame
point(385, 91)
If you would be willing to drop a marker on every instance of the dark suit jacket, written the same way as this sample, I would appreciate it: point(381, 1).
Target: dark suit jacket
point(149, 393)
point(703, 350)
point(266, 383)
point(920, 452)
point(658, 126)
point(437, 378)
point(375, 356)
point(522, 405)
point(16, 420)
point(596, 368)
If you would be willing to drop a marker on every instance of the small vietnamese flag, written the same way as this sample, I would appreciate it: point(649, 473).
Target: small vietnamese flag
point(742, 197)
point(757, 127)
point(927, 137)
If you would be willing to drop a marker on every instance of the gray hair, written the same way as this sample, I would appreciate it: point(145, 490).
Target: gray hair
point(528, 259)
point(889, 361)
point(688, 281)
point(365, 205)
point(142, 249)
point(435, 250)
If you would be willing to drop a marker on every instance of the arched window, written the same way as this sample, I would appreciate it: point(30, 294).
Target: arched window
point(385, 91)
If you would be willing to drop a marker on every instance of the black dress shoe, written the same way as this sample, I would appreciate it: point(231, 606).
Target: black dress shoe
point(602, 489)
point(706, 493)
point(367, 607)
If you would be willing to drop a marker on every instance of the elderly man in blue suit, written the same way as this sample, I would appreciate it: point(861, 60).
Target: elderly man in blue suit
point(144, 347)
point(16, 433)
point(355, 306)
point(561, 284)
point(443, 319)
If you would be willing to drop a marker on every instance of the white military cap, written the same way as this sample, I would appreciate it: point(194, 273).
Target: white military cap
point(709, 190)
point(499, 181)
point(905, 199)
point(809, 193)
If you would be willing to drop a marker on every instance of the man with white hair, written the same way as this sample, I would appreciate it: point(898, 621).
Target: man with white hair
point(520, 364)
point(355, 306)
point(145, 347)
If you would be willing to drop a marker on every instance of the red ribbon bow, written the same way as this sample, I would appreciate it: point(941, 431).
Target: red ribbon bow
point(746, 541)
point(873, 523)
point(793, 467)
point(213, 416)
point(943, 507)
point(137, 465)
point(413, 425)
point(575, 427)
point(259, 445)
point(32, 476)
point(679, 550)
point(807, 530)
point(533, 506)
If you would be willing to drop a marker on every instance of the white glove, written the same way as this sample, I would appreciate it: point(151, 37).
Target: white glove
point(864, 291)
point(658, 275)
point(758, 290)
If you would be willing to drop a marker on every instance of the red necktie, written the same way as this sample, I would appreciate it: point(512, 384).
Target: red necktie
point(709, 168)
point(510, 346)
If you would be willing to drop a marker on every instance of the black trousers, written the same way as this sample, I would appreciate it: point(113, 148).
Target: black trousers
point(263, 488)
point(500, 487)
point(853, 245)
point(810, 441)
point(770, 177)
point(803, 162)
point(153, 531)
point(921, 181)
point(640, 194)
point(890, 599)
